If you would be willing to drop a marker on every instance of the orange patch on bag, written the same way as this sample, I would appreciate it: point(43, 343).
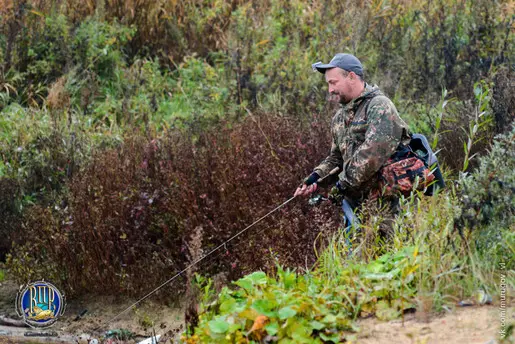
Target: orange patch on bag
point(399, 176)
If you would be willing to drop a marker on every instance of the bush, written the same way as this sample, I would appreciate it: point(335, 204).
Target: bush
point(10, 214)
point(411, 49)
point(129, 216)
point(98, 47)
point(489, 202)
point(40, 150)
point(488, 190)
point(308, 308)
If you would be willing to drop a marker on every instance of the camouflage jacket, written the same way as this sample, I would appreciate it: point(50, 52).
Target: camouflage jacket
point(365, 133)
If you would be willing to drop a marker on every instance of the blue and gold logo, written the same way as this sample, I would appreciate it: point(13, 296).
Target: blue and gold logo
point(40, 304)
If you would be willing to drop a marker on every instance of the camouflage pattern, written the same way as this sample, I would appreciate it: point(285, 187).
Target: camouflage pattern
point(365, 133)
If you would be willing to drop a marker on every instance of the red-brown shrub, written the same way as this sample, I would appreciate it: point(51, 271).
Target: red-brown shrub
point(130, 214)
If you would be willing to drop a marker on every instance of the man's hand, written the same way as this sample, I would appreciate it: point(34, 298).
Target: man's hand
point(308, 186)
point(305, 190)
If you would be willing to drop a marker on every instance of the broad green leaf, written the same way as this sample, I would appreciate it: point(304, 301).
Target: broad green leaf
point(234, 328)
point(317, 325)
point(329, 318)
point(272, 328)
point(257, 278)
point(218, 326)
point(244, 283)
point(249, 313)
point(228, 306)
point(300, 333)
point(265, 307)
point(286, 312)
point(332, 337)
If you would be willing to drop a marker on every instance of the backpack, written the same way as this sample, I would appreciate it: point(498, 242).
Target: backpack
point(421, 147)
point(411, 167)
point(414, 166)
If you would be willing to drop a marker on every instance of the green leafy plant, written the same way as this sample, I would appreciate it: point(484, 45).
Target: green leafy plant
point(308, 308)
point(481, 119)
point(488, 201)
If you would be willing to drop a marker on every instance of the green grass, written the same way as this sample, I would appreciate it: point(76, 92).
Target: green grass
point(428, 266)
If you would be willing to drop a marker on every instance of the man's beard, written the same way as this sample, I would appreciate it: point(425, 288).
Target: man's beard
point(336, 98)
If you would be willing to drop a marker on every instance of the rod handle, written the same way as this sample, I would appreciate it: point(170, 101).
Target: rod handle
point(333, 171)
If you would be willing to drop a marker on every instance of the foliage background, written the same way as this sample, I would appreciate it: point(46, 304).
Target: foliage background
point(135, 135)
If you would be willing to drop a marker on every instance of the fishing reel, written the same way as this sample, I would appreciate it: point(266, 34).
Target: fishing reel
point(336, 196)
point(317, 199)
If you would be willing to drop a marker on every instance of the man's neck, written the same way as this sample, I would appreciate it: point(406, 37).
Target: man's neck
point(362, 90)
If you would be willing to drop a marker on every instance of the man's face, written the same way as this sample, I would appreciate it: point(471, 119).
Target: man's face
point(340, 87)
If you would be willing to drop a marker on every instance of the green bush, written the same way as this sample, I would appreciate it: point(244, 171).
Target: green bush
point(98, 47)
point(294, 308)
point(489, 201)
point(49, 50)
point(412, 50)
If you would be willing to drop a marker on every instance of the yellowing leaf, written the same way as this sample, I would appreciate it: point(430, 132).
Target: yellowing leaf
point(111, 41)
point(123, 236)
point(263, 42)
point(412, 269)
point(37, 13)
point(249, 313)
point(259, 323)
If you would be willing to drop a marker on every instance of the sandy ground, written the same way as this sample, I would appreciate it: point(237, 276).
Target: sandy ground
point(142, 320)
point(467, 325)
point(463, 325)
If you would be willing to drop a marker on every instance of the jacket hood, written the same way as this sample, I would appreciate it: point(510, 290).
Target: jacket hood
point(370, 91)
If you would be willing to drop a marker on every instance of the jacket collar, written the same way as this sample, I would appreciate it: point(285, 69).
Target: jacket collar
point(369, 91)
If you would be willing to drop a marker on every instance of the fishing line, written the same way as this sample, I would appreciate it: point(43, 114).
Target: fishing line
point(224, 244)
point(194, 263)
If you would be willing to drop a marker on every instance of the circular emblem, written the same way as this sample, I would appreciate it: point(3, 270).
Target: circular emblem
point(40, 304)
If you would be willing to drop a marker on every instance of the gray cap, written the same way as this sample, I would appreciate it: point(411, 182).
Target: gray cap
point(347, 62)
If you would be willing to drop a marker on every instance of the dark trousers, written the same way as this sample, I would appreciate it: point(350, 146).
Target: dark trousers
point(386, 207)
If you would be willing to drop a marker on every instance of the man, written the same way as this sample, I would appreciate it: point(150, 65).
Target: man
point(366, 131)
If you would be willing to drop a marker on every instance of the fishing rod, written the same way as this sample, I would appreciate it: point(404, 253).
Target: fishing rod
point(333, 171)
